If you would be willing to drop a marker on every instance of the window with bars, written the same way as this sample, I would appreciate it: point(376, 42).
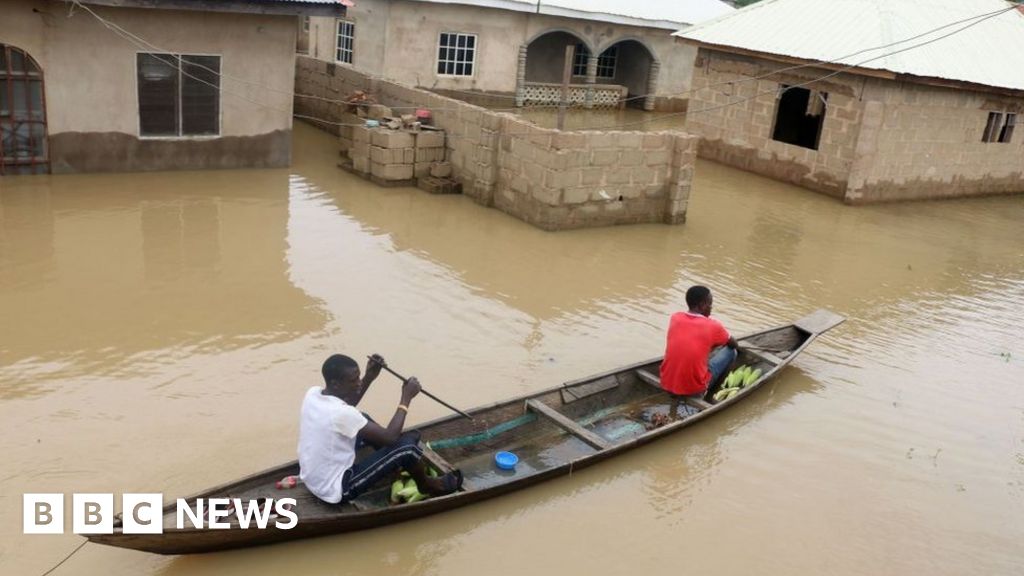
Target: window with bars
point(605, 62)
point(999, 128)
point(579, 60)
point(179, 95)
point(23, 144)
point(346, 41)
point(456, 54)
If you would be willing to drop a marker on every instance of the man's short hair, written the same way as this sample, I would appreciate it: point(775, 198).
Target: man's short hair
point(696, 295)
point(337, 367)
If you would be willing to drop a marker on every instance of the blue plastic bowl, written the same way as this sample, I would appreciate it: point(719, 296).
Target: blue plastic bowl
point(506, 460)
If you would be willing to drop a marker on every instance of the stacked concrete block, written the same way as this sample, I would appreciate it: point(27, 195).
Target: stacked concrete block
point(549, 178)
point(392, 157)
point(429, 149)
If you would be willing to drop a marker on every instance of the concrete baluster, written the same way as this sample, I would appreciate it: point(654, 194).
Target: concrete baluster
point(590, 80)
point(521, 77)
point(652, 85)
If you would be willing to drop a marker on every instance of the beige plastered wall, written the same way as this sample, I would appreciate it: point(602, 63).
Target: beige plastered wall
point(398, 40)
point(90, 76)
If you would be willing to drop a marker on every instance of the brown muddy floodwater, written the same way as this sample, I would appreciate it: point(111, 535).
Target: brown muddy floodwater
point(159, 331)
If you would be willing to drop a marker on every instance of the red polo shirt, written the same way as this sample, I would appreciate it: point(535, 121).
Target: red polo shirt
point(690, 340)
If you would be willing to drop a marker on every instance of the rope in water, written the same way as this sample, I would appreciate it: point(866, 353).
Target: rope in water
point(66, 558)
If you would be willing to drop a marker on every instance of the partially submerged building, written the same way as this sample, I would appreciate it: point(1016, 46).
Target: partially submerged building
point(865, 100)
point(514, 50)
point(116, 85)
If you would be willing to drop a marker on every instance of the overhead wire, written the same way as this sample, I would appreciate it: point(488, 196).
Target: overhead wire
point(974, 20)
point(977, 20)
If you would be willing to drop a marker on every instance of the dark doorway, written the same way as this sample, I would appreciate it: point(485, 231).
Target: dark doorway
point(23, 148)
point(799, 117)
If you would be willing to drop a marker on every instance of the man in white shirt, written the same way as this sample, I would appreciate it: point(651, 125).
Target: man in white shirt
point(331, 429)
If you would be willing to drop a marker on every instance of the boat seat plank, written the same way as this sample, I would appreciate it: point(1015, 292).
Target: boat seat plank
point(438, 461)
point(435, 459)
point(568, 425)
point(656, 382)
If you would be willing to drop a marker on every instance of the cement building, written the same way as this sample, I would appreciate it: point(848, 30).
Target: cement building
point(120, 85)
point(865, 100)
point(514, 50)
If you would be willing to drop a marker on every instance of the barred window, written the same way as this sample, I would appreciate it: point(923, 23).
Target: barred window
point(23, 142)
point(605, 62)
point(579, 60)
point(346, 41)
point(179, 95)
point(456, 54)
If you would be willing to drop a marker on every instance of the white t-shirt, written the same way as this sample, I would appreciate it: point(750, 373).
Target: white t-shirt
point(327, 442)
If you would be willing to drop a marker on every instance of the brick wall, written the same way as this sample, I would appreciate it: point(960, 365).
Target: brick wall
point(734, 116)
point(552, 179)
point(881, 140)
point(922, 141)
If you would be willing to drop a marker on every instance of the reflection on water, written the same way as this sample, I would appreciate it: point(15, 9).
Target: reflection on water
point(98, 269)
point(159, 330)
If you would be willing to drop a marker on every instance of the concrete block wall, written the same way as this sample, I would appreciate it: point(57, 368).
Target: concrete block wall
point(734, 117)
point(328, 84)
point(882, 140)
point(555, 179)
point(552, 179)
point(391, 156)
point(920, 142)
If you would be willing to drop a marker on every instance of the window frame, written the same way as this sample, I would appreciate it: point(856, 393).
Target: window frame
point(1001, 130)
point(581, 57)
point(583, 52)
point(456, 62)
point(35, 120)
point(812, 93)
point(602, 62)
point(220, 99)
point(352, 41)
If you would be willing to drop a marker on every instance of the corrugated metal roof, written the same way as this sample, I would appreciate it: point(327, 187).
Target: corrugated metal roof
point(990, 53)
point(667, 14)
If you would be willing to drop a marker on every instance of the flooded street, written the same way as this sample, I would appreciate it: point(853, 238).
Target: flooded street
point(160, 329)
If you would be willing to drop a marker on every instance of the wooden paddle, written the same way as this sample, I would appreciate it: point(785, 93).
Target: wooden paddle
point(428, 394)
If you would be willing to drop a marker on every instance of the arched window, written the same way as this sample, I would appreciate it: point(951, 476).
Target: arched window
point(23, 147)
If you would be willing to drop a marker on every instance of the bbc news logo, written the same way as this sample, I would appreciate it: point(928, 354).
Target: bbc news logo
point(144, 513)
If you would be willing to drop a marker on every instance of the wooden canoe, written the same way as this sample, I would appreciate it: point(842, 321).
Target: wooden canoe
point(553, 432)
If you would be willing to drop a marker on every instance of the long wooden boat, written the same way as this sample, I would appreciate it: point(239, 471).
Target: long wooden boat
point(553, 432)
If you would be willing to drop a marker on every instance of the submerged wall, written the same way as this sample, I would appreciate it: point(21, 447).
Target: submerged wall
point(921, 141)
point(734, 115)
point(552, 179)
point(881, 140)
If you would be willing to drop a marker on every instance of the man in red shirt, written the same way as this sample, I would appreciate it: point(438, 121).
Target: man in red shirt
point(691, 362)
